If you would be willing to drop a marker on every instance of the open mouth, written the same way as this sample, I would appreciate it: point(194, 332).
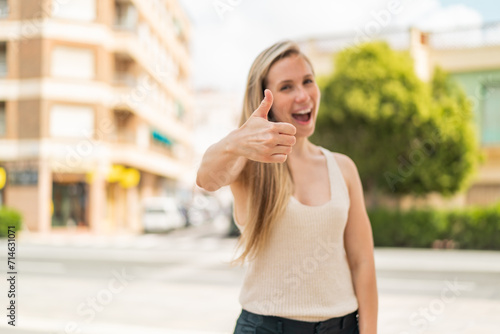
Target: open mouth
point(302, 117)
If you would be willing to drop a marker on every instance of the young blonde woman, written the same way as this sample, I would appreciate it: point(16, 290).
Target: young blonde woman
point(305, 233)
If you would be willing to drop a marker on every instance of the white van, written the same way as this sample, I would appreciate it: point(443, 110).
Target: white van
point(161, 214)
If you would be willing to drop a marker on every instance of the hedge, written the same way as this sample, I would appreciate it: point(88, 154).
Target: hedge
point(472, 228)
point(9, 217)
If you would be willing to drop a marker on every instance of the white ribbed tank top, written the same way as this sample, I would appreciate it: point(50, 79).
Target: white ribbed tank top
point(303, 273)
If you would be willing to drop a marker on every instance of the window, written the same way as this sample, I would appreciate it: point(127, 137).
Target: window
point(71, 121)
point(179, 110)
point(490, 123)
point(82, 10)
point(124, 129)
point(70, 202)
point(3, 121)
point(3, 59)
point(4, 8)
point(177, 27)
point(124, 71)
point(125, 15)
point(70, 62)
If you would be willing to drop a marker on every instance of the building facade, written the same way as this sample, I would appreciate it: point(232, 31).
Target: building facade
point(95, 110)
point(469, 55)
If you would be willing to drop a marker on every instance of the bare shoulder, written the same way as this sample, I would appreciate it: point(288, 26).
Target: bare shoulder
point(344, 161)
point(346, 165)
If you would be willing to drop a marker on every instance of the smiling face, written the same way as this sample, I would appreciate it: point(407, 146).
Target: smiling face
point(295, 92)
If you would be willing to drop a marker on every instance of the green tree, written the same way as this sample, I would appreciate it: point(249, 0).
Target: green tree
point(406, 136)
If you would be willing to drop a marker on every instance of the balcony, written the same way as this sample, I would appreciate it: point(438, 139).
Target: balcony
point(135, 92)
point(154, 160)
point(4, 9)
point(125, 79)
point(3, 122)
point(124, 127)
point(3, 59)
point(125, 16)
point(125, 71)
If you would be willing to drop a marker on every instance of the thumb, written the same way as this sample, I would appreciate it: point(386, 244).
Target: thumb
point(265, 105)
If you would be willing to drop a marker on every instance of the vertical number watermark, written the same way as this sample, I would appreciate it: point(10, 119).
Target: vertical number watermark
point(11, 275)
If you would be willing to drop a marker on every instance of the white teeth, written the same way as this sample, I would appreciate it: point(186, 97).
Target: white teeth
point(304, 112)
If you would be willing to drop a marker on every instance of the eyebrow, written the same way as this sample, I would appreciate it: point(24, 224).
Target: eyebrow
point(289, 80)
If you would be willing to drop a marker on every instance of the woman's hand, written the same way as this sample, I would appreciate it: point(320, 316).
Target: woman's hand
point(261, 140)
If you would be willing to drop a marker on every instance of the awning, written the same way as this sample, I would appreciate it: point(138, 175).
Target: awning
point(161, 138)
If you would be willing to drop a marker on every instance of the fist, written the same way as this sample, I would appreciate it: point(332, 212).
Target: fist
point(266, 141)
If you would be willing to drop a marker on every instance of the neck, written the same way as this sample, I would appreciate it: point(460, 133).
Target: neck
point(302, 148)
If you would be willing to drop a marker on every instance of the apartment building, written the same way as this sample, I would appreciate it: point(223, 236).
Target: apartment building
point(472, 56)
point(95, 110)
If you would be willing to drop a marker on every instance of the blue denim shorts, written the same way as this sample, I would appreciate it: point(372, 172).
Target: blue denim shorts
point(252, 323)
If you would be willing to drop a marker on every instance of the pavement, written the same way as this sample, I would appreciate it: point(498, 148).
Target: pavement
point(210, 238)
point(421, 291)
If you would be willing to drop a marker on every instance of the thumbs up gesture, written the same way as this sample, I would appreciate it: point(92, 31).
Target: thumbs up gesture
point(262, 140)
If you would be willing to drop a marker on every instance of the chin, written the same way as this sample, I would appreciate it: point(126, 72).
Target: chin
point(306, 134)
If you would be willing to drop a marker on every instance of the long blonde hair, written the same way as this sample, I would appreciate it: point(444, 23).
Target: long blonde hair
point(268, 185)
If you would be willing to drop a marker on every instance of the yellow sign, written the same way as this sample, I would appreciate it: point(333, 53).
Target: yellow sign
point(115, 174)
point(130, 178)
point(3, 177)
point(127, 177)
point(89, 177)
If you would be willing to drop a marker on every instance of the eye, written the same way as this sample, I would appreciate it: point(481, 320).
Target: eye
point(284, 87)
point(307, 81)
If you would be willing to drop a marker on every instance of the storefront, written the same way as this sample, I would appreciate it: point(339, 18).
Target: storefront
point(70, 205)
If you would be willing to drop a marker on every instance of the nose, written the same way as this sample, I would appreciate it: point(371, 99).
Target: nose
point(302, 95)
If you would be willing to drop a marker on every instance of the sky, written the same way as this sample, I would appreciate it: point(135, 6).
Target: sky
point(227, 35)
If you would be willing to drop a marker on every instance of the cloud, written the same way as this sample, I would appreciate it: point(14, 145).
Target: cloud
point(224, 46)
point(431, 15)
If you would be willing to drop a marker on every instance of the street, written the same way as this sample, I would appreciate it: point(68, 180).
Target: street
point(181, 283)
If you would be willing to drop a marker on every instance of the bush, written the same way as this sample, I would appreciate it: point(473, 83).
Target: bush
point(413, 228)
point(472, 228)
point(375, 100)
point(9, 217)
point(475, 228)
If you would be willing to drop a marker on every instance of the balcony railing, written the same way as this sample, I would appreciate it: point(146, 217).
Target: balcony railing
point(125, 79)
point(464, 37)
point(467, 37)
point(123, 137)
point(126, 26)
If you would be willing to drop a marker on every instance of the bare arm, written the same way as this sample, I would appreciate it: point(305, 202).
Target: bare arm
point(257, 139)
point(358, 242)
point(220, 165)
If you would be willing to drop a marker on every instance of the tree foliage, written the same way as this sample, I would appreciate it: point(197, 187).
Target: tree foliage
point(406, 136)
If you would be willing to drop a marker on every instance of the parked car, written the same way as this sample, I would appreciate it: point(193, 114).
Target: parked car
point(161, 214)
point(202, 209)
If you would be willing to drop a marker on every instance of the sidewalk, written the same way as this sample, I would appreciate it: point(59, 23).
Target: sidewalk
point(421, 291)
point(208, 238)
point(441, 260)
